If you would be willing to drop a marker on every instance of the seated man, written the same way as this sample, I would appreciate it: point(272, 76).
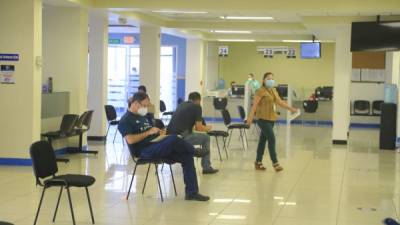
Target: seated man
point(140, 136)
point(187, 116)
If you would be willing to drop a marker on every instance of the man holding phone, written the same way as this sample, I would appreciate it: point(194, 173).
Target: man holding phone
point(149, 142)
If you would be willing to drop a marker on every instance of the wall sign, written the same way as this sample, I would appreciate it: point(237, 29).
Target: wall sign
point(9, 57)
point(7, 74)
point(223, 51)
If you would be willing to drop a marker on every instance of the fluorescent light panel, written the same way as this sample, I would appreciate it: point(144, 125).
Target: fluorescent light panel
point(246, 17)
point(231, 31)
point(298, 41)
point(179, 12)
point(236, 40)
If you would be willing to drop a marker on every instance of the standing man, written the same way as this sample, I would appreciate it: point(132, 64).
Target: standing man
point(149, 142)
point(189, 115)
point(254, 84)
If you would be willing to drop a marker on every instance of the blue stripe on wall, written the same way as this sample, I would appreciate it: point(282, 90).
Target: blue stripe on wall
point(28, 161)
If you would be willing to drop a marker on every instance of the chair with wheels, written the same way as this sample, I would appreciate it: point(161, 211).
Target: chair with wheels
point(45, 170)
point(111, 115)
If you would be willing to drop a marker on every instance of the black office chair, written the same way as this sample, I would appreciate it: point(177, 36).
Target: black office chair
point(310, 107)
point(66, 130)
point(362, 107)
point(82, 126)
point(45, 169)
point(139, 161)
point(163, 109)
point(232, 126)
point(216, 134)
point(220, 103)
point(242, 115)
point(111, 115)
point(376, 107)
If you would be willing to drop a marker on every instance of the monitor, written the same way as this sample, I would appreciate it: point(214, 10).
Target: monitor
point(282, 90)
point(375, 36)
point(238, 90)
point(310, 50)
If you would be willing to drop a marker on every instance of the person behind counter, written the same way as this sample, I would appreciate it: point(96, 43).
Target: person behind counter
point(253, 84)
point(263, 106)
point(148, 142)
point(233, 83)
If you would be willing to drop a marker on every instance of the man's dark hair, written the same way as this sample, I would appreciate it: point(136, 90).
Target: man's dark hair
point(137, 97)
point(194, 96)
point(142, 88)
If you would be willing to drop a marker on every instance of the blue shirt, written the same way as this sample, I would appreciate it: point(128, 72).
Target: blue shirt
point(131, 123)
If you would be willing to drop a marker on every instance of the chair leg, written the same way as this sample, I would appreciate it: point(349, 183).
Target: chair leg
point(90, 204)
point(130, 186)
point(158, 180)
point(173, 180)
point(70, 206)
point(145, 180)
point(115, 134)
point(241, 138)
point(58, 203)
point(225, 148)
point(245, 136)
point(219, 151)
point(108, 127)
point(229, 140)
point(40, 204)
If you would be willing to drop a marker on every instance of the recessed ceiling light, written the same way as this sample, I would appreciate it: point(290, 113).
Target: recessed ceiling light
point(246, 17)
point(231, 31)
point(236, 40)
point(179, 12)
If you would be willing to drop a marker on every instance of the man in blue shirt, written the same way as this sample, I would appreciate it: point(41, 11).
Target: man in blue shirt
point(149, 142)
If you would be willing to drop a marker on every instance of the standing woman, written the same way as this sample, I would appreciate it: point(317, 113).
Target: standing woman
point(263, 106)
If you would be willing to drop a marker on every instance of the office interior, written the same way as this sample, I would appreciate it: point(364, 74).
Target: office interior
point(61, 57)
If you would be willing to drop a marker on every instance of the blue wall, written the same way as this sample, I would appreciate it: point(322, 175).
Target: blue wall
point(170, 40)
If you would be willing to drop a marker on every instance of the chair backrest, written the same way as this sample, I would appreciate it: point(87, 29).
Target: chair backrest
point(88, 119)
point(220, 103)
point(79, 123)
point(43, 160)
point(226, 116)
point(68, 123)
point(361, 105)
point(111, 113)
point(310, 106)
point(376, 105)
point(162, 106)
point(242, 113)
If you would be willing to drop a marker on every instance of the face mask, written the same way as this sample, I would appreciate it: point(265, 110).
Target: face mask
point(142, 111)
point(249, 79)
point(269, 83)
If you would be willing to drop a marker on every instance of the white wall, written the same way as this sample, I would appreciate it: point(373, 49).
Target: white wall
point(211, 76)
point(194, 65)
point(21, 29)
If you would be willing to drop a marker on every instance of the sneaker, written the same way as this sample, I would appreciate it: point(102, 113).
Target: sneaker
point(210, 171)
point(259, 166)
point(200, 153)
point(197, 197)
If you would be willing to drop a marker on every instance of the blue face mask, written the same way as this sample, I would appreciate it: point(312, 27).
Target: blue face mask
point(269, 83)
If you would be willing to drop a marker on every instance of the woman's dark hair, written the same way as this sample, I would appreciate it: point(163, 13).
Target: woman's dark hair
point(265, 76)
point(137, 97)
point(194, 96)
point(142, 88)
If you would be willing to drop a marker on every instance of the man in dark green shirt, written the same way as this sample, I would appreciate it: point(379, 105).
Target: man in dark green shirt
point(149, 142)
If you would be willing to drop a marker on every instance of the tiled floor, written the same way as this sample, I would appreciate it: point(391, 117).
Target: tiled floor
point(322, 184)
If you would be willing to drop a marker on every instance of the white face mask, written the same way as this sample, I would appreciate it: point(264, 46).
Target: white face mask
point(142, 111)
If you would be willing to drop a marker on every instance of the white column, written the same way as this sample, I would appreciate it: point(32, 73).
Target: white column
point(341, 99)
point(393, 77)
point(98, 60)
point(150, 44)
point(194, 66)
point(21, 24)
